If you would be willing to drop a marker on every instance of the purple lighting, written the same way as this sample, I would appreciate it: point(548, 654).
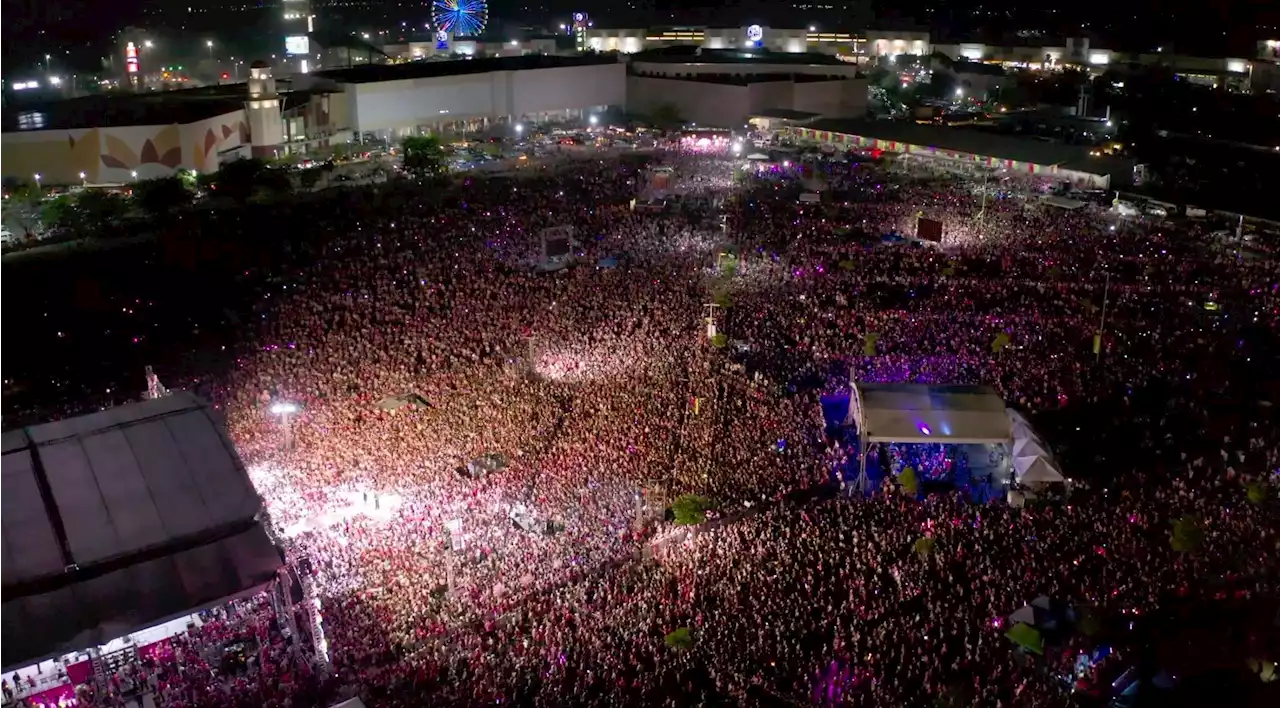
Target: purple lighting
point(924, 429)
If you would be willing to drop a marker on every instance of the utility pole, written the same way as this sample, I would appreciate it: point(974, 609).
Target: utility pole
point(982, 213)
point(1102, 321)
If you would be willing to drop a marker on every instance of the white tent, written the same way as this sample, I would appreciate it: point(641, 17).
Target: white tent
point(1036, 470)
point(1021, 432)
point(1025, 614)
point(1029, 447)
point(1017, 417)
point(350, 703)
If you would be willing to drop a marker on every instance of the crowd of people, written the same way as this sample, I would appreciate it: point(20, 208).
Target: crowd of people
point(417, 339)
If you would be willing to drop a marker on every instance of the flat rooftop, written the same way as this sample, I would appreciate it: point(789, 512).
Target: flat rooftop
point(744, 79)
point(372, 73)
point(978, 142)
point(701, 55)
point(114, 110)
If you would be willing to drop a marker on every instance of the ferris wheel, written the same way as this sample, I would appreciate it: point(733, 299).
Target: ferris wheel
point(464, 18)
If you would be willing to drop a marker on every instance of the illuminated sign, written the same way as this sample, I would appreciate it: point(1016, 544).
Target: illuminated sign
point(755, 33)
point(442, 40)
point(297, 44)
point(580, 24)
point(131, 58)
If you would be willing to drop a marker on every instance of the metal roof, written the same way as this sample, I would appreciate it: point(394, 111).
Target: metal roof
point(117, 519)
point(371, 73)
point(978, 142)
point(924, 414)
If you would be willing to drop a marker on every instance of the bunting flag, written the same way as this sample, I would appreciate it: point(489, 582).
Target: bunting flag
point(697, 405)
point(1001, 341)
point(869, 343)
point(1097, 344)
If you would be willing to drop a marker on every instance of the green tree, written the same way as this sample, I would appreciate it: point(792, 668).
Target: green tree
point(666, 116)
point(907, 478)
point(690, 509)
point(1187, 535)
point(23, 208)
point(424, 156)
point(1257, 492)
point(161, 196)
point(59, 212)
point(681, 639)
point(924, 546)
point(719, 341)
point(99, 209)
point(238, 180)
point(308, 179)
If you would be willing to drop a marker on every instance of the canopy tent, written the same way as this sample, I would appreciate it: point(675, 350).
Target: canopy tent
point(920, 413)
point(1063, 203)
point(1026, 637)
point(1021, 431)
point(350, 703)
point(1028, 447)
point(120, 519)
point(1036, 470)
point(391, 403)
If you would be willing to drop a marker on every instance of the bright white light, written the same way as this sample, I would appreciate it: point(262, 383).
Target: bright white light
point(959, 92)
point(1109, 124)
point(284, 408)
point(147, 44)
point(737, 147)
point(594, 120)
point(812, 28)
point(55, 80)
point(519, 127)
point(134, 174)
point(37, 176)
point(208, 43)
point(82, 175)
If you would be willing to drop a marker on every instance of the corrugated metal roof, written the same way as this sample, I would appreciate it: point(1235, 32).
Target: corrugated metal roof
point(129, 515)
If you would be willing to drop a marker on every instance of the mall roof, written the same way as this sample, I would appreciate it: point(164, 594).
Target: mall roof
point(702, 55)
point(979, 142)
point(117, 520)
point(370, 73)
point(125, 109)
point(920, 413)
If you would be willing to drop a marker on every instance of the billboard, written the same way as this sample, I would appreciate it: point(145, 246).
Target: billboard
point(297, 44)
point(131, 58)
point(929, 229)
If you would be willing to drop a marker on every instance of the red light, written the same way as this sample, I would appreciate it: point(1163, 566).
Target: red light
point(225, 75)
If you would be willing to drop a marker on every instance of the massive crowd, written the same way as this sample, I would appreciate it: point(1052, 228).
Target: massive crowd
point(420, 338)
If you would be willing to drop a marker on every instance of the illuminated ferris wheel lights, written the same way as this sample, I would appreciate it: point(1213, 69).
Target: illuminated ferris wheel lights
point(461, 17)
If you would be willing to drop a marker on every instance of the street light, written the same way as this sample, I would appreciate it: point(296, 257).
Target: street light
point(519, 127)
point(37, 181)
point(594, 120)
point(208, 43)
point(84, 178)
point(285, 409)
point(147, 43)
point(133, 174)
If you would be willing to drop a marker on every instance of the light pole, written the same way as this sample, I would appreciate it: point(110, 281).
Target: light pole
point(84, 181)
point(38, 189)
point(208, 43)
point(1102, 321)
point(285, 410)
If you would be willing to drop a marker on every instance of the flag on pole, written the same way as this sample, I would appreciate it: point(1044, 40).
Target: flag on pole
point(1097, 343)
point(869, 343)
point(1001, 341)
point(697, 405)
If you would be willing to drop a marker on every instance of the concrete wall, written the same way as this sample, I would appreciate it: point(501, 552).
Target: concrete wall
point(729, 105)
point(701, 102)
point(110, 155)
point(408, 103)
point(653, 68)
point(844, 98)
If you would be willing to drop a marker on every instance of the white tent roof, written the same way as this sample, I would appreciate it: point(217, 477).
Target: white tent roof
point(1022, 431)
point(1029, 447)
point(1036, 470)
point(922, 413)
point(1017, 417)
point(350, 703)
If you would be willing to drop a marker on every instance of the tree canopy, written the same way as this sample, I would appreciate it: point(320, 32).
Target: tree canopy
point(424, 156)
point(690, 509)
